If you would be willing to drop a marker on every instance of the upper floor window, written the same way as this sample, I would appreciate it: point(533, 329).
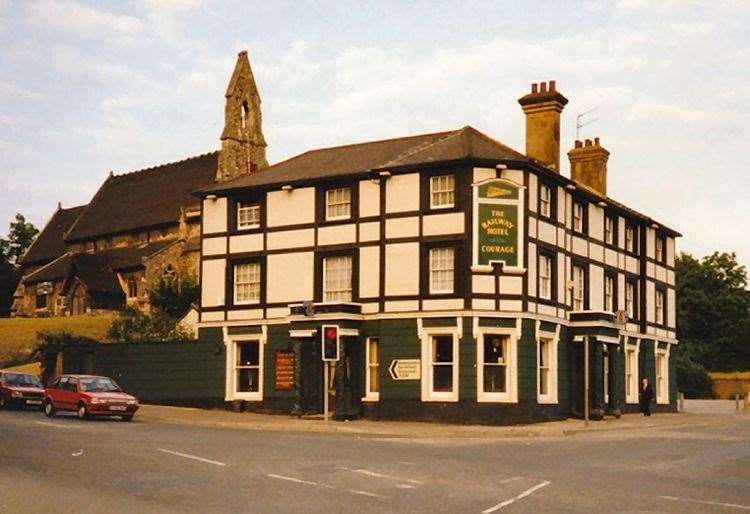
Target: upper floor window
point(337, 278)
point(545, 200)
point(545, 276)
point(610, 230)
point(442, 191)
point(609, 293)
point(248, 215)
point(338, 203)
point(630, 289)
point(659, 248)
point(247, 283)
point(579, 217)
point(442, 264)
point(659, 311)
point(631, 243)
point(579, 288)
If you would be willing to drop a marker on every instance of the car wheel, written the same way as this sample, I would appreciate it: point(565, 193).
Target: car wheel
point(3, 402)
point(129, 417)
point(82, 412)
point(48, 408)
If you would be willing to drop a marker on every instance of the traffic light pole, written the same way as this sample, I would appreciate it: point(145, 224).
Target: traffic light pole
point(325, 390)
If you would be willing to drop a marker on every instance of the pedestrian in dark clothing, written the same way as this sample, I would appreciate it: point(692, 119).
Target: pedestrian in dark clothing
point(646, 395)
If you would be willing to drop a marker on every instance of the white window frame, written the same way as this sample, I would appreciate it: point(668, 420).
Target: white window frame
point(545, 278)
point(578, 219)
point(659, 300)
point(552, 390)
point(662, 393)
point(247, 207)
point(329, 205)
point(351, 279)
point(545, 200)
point(634, 378)
point(426, 335)
point(609, 229)
point(630, 306)
point(609, 293)
point(630, 238)
point(433, 191)
point(235, 283)
point(371, 396)
point(453, 270)
point(605, 365)
point(578, 288)
point(511, 370)
point(231, 343)
point(658, 248)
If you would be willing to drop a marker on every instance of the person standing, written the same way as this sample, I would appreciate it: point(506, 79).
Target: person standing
point(647, 394)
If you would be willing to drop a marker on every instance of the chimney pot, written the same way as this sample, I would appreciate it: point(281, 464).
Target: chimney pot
point(596, 141)
point(552, 86)
point(543, 87)
point(588, 142)
point(579, 144)
point(534, 87)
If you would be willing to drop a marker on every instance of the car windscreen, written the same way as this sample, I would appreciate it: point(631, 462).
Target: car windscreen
point(98, 385)
point(21, 380)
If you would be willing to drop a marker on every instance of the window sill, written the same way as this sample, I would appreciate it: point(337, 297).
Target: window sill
point(449, 397)
point(250, 397)
point(495, 398)
point(546, 400)
point(371, 398)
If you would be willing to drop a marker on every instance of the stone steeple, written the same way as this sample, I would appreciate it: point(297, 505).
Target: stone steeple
point(243, 147)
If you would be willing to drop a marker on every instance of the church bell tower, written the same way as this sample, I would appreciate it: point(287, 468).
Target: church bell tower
point(243, 147)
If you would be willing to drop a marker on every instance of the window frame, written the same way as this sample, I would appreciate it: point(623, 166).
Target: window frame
point(319, 279)
point(431, 291)
point(661, 393)
point(584, 287)
point(321, 202)
point(235, 266)
point(631, 395)
point(660, 242)
point(371, 396)
point(233, 212)
point(242, 204)
point(552, 214)
point(634, 250)
point(552, 339)
point(425, 249)
point(584, 216)
point(350, 258)
point(611, 276)
point(632, 282)
point(41, 305)
point(551, 256)
point(428, 392)
point(233, 367)
point(326, 206)
point(432, 191)
point(614, 233)
point(660, 318)
point(511, 375)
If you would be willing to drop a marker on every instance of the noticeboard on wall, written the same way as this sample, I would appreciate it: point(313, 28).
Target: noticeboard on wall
point(284, 370)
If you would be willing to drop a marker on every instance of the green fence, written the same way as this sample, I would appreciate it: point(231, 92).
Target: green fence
point(178, 372)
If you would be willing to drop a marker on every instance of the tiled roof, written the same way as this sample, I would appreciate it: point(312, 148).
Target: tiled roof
point(453, 145)
point(49, 244)
point(144, 198)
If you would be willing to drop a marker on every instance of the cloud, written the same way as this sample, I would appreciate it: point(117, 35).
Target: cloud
point(80, 20)
point(9, 90)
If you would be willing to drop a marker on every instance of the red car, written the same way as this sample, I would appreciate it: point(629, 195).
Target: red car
point(19, 390)
point(88, 396)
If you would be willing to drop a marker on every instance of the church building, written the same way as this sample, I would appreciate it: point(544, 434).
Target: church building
point(440, 276)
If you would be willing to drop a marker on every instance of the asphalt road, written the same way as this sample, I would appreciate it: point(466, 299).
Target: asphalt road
point(64, 465)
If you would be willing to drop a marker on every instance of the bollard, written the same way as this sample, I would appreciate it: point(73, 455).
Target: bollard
point(681, 402)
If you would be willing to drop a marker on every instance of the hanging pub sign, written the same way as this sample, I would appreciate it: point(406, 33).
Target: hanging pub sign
point(498, 225)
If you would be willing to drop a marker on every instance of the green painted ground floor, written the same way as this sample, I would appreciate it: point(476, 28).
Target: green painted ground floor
point(493, 370)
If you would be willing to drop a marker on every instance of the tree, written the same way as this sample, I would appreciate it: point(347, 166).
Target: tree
point(20, 237)
point(712, 311)
point(173, 296)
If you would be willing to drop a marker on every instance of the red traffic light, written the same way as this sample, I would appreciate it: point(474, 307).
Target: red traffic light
point(330, 342)
point(331, 333)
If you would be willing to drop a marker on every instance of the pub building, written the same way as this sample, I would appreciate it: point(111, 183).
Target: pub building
point(451, 277)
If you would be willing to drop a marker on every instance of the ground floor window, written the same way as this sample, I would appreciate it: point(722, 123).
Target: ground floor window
point(372, 365)
point(496, 366)
point(439, 365)
point(605, 365)
point(442, 364)
point(545, 357)
point(631, 375)
point(662, 377)
point(248, 368)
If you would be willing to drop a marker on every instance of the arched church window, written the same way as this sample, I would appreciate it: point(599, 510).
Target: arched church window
point(169, 272)
point(132, 287)
point(243, 113)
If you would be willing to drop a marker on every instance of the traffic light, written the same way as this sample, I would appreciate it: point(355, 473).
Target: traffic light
point(330, 342)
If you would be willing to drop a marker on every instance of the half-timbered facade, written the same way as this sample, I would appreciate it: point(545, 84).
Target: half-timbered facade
point(465, 279)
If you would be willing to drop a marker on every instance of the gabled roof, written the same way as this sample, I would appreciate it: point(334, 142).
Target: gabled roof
point(348, 160)
point(49, 244)
point(144, 198)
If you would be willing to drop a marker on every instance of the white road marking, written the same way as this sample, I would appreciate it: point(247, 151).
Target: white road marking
point(516, 498)
point(404, 486)
point(706, 502)
point(366, 493)
point(387, 477)
point(48, 424)
point(292, 479)
point(78, 453)
point(511, 479)
point(193, 457)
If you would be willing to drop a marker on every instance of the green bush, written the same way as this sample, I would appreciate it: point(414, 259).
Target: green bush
point(692, 378)
point(49, 344)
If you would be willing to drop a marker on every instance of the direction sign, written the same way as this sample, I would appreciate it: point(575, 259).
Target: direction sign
point(405, 369)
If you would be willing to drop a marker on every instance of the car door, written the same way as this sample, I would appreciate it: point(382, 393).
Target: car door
point(54, 391)
point(71, 394)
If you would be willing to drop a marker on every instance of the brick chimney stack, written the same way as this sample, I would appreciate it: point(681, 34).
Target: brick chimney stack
point(542, 108)
point(588, 165)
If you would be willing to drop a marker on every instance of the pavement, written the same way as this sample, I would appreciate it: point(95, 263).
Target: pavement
point(692, 463)
point(698, 413)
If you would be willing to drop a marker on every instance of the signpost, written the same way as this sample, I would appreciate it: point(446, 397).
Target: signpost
point(329, 351)
point(405, 369)
point(498, 225)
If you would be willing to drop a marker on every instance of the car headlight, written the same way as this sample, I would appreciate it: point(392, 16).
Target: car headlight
point(132, 402)
point(98, 400)
point(17, 394)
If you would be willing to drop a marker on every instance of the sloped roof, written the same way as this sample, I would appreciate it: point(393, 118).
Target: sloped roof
point(463, 143)
point(93, 264)
point(144, 198)
point(49, 244)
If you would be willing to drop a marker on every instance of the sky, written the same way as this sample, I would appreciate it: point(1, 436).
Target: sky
point(92, 87)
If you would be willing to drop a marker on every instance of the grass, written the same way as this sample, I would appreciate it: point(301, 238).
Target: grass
point(18, 335)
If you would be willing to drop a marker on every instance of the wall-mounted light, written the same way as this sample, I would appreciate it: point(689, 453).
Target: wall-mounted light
point(286, 187)
point(385, 174)
point(655, 226)
point(602, 204)
point(570, 187)
point(211, 197)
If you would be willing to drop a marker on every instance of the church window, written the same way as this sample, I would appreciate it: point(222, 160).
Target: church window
point(132, 287)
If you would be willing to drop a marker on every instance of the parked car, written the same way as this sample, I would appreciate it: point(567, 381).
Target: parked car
point(88, 396)
point(19, 390)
